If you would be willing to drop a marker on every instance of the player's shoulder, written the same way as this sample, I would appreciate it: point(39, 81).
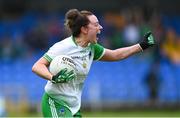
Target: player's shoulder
point(65, 42)
point(96, 45)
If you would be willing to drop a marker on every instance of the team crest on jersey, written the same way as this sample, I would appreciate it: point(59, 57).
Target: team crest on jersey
point(62, 111)
point(84, 65)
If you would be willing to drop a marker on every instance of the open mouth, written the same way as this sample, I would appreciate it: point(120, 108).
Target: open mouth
point(97, 35)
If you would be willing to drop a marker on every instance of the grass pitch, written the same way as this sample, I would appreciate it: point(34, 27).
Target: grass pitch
point(120, 113)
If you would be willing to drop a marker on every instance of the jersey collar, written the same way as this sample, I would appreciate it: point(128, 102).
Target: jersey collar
point(73, 38)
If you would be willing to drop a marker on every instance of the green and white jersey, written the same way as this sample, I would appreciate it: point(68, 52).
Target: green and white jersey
point(70, 93)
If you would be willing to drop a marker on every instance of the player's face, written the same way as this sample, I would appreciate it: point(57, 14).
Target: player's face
point(94, 28)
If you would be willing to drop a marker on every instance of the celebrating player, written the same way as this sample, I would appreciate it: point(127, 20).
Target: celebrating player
point(62, 97)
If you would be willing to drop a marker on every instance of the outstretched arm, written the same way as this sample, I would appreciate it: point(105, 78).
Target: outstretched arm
point(122, 53)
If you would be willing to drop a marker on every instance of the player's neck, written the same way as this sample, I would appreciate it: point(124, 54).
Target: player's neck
point(80, 41)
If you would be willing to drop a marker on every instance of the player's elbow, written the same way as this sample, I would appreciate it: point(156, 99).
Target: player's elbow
point(34, 68)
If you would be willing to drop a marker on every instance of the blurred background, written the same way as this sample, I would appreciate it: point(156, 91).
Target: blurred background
point(146, 84)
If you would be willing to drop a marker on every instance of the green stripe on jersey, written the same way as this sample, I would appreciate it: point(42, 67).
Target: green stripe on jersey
point(49, 59)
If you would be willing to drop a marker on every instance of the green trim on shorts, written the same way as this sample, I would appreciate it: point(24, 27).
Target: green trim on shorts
point(78, 114)
point(50, 108)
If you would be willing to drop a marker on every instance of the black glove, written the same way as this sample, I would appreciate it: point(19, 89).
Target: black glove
point(63, 76)
point(148, 41)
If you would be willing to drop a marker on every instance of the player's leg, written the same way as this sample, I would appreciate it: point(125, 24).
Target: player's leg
point(50, 108)
point(46, 111)
point(77, 115)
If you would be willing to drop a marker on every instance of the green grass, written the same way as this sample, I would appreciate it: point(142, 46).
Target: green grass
point(120, 113)
point(151, 113)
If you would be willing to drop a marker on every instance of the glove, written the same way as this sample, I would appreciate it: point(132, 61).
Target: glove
point(63, 76)
point(148, 41)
